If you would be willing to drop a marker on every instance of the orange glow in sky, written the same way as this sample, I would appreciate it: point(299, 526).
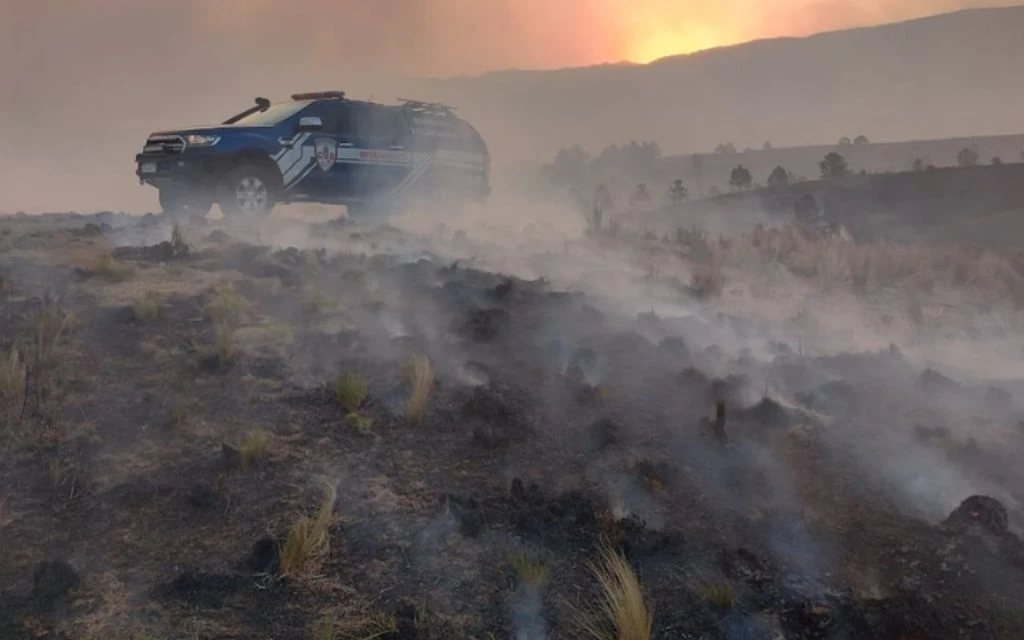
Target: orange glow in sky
point(442, 37)
point(437, 37)
point(660, 41)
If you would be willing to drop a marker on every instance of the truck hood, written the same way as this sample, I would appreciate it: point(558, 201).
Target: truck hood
point(212, 130)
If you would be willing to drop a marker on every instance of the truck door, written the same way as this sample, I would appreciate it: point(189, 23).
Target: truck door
point(329, 174)
point(384, 156)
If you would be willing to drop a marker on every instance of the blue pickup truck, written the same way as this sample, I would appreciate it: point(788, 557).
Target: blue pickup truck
point(318, 147)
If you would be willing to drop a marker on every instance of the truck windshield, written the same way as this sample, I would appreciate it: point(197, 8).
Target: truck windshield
point(273, 115)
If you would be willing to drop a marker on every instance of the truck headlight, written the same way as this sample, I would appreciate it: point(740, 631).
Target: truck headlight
point(196, 140)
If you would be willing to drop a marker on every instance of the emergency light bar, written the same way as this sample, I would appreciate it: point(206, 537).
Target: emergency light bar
point(426, 106)
point(319, 95)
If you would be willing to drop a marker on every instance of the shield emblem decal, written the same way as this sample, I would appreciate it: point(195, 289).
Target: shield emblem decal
point(326, 153)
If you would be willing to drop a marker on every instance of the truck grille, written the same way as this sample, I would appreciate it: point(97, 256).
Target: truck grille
point(164, 144)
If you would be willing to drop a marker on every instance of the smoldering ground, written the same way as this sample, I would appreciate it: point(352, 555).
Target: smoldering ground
point(576, 378)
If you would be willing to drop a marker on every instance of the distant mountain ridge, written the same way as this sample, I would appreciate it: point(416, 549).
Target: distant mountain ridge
point(950, 75)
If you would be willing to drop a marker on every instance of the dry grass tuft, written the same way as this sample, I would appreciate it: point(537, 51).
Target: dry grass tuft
point(50, 324)
point(254, 449)
point(350, 390)
point(420, 374)
point(148, 308)
point(13, 375)
point(719, 595)
point(225, 305)
point(221, 354)
point(321, 305)
point(357, 421)
point(622, 613)
point(224, 309)
point(367, 627)
point(178, 415)
point(531, 569)
point(308, 539)
point(6, 285)
point(105, 266)
point(65, 478)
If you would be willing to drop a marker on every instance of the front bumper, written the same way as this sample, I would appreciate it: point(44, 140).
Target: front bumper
point(161, 169)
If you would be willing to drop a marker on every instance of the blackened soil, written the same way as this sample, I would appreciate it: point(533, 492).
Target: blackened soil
point(131, 495)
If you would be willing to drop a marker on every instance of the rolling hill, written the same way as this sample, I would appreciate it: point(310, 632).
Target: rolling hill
point(944, 76)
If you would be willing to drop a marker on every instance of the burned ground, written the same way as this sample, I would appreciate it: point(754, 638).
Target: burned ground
point(134, 499)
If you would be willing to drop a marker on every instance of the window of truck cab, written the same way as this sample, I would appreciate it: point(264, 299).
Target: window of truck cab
point(274, 115)
point(379, 126)
point(335, 116)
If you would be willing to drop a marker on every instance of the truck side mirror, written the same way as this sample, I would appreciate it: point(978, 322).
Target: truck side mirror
point(310, 123)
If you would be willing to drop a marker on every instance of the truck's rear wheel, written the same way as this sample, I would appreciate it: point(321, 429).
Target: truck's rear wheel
point(185, 202)
point(248, 191)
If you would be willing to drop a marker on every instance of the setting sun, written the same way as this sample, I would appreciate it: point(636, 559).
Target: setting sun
point(653, 30)
point(668, 42)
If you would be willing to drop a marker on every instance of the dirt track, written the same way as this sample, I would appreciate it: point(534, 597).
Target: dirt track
point(554, 422)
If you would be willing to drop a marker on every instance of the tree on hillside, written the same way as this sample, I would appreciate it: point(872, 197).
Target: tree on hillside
point(844, 142)
point(640, 197)
point(967, 158)
point(778, 178)
point(635, 156)
point(697, 163)
point(569, 166)
point(996, 161)
point(726, 149)
point(767, 146)
point(833, 166)
point(806, 208)
point(861, 139)
point(602, 202)
point(678, 192)
point(918, 164)
point(740, 178)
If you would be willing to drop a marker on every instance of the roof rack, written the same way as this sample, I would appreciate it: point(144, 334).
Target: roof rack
point(419, 105)
point(319, 95)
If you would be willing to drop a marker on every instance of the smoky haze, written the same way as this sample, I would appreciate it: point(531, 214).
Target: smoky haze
point(83, 84)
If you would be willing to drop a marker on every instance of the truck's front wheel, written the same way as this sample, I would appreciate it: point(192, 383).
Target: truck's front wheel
point(248, 191)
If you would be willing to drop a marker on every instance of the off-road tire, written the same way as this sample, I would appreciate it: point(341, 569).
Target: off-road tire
point(249, 191)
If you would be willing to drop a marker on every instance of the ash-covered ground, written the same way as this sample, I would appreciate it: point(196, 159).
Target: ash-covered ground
point(785, 436)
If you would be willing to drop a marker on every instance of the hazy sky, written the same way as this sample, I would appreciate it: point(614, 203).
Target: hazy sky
point(434, 37)
point(82, 82)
